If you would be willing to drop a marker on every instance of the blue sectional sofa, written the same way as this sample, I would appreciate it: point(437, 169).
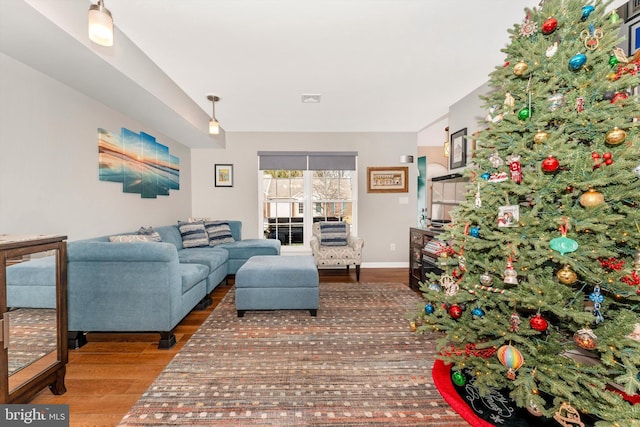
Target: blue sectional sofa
point(136, 286)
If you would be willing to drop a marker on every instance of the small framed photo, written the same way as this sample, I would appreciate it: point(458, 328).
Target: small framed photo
point(508, 216)
point(224, 175)
point(458, 149)
point(634, 36)
point(388, 179)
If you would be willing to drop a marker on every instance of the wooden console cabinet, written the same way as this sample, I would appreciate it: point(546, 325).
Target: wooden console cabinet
point(31, 376)
point(418, 239)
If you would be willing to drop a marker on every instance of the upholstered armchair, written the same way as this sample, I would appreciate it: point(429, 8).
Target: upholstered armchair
point(332, 245)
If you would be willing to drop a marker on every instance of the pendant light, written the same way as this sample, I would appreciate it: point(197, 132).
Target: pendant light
point(214, 126)
point(100, 24)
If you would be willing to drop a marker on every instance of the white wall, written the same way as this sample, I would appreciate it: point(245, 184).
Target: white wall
point(49, 163)
point(383, 219)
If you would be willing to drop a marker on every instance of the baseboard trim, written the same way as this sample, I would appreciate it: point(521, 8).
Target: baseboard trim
point(385, 265)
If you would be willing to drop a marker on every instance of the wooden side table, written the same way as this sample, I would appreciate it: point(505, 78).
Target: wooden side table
point(47, 371)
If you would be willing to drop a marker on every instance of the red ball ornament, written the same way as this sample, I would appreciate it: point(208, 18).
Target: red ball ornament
point(550, 164)
point(538, 323)
point(455, 311)
point(619, 96)
point(549, 26)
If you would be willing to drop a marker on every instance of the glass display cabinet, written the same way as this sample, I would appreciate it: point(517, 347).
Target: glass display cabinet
point(33, 331)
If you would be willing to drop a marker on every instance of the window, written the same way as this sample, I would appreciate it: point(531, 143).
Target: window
point(293, 199)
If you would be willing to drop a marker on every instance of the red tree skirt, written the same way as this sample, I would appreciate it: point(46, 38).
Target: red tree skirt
point(442, 379)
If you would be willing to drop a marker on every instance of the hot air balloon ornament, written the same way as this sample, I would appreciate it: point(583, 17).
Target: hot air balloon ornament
point(511, 358)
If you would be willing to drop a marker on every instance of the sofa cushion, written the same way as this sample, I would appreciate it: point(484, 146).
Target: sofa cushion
point(129, 238)
point(192, 274)
point(244, 249)
point(333, 233)
point(218, 232)
point(213, 258)
point(150, 233)
point(193, 234)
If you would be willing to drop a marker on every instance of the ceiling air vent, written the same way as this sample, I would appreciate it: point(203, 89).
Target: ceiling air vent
point(311, 98)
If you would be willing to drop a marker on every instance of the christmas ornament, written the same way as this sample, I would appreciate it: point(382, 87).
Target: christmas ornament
point(566, 275)
point(528, 27)
point(635, 334)
point(538, 323)
point(549, 25)
point(511, 358)
point(615, 136)
point(455, 311)
point(492, 117)
point(515, 168)
point(450, 286)
point(551, 50)
point(478, 200)
point(614, 17)
point(580, 104)
point(591, 37)
point(597, 298)
point(429, 309)
point(435, 287)
point(514, 321)
point(509, 103)
point(412, 326)
point(620, 55)
point(474, 231)
point(619, 96)
point(458, 378)
point(608, 95)
point(510, 274)
point(586, 11)
point(550, 164)
point(477, 312)
point(534, 410)
point(485, 278)
point(524, 114)
point(568, 416)
point(591, 198)
point(485, 176)
point(636, 170)
point(613, 61)
point(498, 177)
point(563, 244)
point(495, 159)
point(577, 61)
point(556, 101)
point(520, 68)
point(540, 137)
point(586, 339)
point(508, 216)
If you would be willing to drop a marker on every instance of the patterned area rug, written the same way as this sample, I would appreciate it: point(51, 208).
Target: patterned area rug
point(33, 335)
point(355, 364)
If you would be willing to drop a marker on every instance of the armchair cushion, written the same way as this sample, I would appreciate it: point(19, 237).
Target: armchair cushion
point(333, 233)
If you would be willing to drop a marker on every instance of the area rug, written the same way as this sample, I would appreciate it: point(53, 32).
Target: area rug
point(33, 336)
point(356, 364)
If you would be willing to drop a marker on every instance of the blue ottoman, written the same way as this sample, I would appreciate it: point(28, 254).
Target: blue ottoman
point(277, 283)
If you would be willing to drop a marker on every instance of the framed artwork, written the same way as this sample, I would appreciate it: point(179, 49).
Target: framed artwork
point(458, 149)
point(634, 36)
point(224, 175)
point(390, 179)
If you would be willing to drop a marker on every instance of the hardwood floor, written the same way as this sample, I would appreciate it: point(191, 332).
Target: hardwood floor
point(108, 375)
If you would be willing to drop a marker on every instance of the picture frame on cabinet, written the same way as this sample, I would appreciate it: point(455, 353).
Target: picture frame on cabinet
point(223, 175)
point(458, 149)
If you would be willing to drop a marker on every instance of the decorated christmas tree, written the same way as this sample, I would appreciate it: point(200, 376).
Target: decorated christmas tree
point(540, 287)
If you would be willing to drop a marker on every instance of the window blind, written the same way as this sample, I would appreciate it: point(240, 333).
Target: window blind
point(308, 160)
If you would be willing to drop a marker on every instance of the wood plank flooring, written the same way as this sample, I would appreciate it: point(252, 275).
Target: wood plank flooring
point(109, 374)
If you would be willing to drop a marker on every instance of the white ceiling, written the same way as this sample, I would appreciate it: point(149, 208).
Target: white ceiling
point(380, 65)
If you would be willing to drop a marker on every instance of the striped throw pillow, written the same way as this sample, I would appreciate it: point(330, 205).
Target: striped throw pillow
point(193, 234)
point(218, 232)
point(333, 233)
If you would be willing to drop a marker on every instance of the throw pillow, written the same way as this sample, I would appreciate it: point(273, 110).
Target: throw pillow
point(198, 219)
point(193, 234)
point(128, 238)
point(333, 233)
point(218, 232)
point(150, 233)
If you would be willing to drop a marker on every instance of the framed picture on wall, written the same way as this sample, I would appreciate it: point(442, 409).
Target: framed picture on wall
point(634, 35)
point(224, 175)
point(388, 179)
point(458, 149)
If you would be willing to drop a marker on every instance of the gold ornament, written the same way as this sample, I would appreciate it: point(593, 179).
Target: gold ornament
point(616, 136)
point(586, 339)
point(568, 416)
point(520, 68)
point(591, 198)
point(540, 137)
point(566, 275)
